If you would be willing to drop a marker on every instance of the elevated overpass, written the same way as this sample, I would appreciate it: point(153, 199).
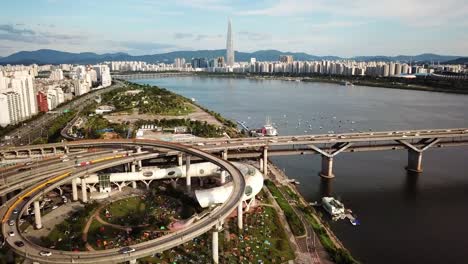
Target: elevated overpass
point(326, 145)
point(30, 195)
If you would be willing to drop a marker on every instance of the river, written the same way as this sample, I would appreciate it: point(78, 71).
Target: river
point(404, 218)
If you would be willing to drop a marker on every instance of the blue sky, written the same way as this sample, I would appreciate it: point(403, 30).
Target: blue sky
point(319, 27)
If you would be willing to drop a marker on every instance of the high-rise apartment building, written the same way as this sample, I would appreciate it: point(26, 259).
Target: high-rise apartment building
point(286, 58)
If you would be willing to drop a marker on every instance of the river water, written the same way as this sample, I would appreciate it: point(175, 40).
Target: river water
point(404, 218)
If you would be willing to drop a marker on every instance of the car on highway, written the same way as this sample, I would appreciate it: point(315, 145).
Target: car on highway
point(54, 207)
point(65, 160)
point(11, 233)
point(45, 253)
point(19, 243)
point(11, 222)
point(127, 250)
point(28, 163)
point(15, 211)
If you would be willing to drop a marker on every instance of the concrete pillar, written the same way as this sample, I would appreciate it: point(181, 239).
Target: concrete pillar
point(179, 160)
point(66, 149)
point(200, 179)
point(414, 161)
point(133, 167)
point(223, 177)
point(224, 154)
point(261, 165)
point(37, 215)
point(215, 247)
point(83, 191)
point(187, 171)
point(138, 150)
point(327, 167)
point(265, 161)
point(239, 216)
point(134, 184)
point(74, 190)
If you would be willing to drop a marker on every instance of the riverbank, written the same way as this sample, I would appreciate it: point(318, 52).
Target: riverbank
point(418, 84)
point(329, 248)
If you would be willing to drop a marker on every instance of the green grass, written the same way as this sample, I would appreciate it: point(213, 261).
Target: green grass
point(291, 193)
point(262, 229)
point(293, 220)
point(67, 235)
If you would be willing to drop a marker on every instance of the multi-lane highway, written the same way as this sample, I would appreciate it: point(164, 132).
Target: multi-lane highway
point(32, 193)
point(36, 128)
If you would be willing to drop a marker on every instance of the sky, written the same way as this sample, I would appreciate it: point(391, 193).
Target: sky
point(318, 27)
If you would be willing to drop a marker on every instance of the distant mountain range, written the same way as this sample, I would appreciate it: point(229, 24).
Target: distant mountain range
point(462, 60)
point(45, 56)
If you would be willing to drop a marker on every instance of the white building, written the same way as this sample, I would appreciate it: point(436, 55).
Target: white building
point(103, 75)
point(17, 97)
point(56, 75)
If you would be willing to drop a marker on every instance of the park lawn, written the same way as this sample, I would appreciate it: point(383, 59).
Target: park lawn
point(133, 207)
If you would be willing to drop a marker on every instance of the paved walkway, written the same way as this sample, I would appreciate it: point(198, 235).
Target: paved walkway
point(309, 244)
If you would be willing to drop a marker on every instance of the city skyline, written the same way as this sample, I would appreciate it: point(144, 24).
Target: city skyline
point(315, 27)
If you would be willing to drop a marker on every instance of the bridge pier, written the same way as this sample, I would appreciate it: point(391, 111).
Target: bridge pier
point(84, 194)
point(265, 162)
point(188, 180)
point(74, 190)
point(239, 216)
point(138, 151)
point(414, 161)
point(37, 215)
point(224, 154)
point(134, 184)
point(415, 153)
point(261, 164)
point(223, 177)
point(327, 167)
point(214, 248)
point(179, 160)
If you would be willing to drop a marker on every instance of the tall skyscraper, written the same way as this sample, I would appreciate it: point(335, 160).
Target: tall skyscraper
point(229, 47)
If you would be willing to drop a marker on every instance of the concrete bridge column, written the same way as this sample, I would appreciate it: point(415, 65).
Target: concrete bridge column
point(224, 154)
point(83, 191)
point(133, 167)
point(138, 150)
point(261, 164)
point(187, 172)
point(327, 167)
point(265, 161)
point(37, 215)
point(215, 251)
point(54, 150)
point(179, 160)
point(74, 190)
point(239, 216)
point(66, 149)
point(223, 177)
point(414, 161)
point(134, 184)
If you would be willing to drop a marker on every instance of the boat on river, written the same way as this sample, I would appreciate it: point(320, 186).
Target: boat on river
point(333, 206)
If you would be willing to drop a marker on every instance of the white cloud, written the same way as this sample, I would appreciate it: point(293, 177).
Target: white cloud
point(414, 12)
